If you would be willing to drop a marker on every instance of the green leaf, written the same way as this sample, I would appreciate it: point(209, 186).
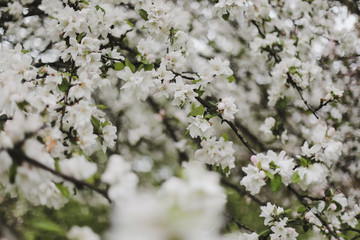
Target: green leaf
point(93, 179)
point(226, 16)
point(226, 170)
point(130, 65)
point(52, 17)
point(295, 177)
point(98, 7)
point(100, 106)
point(80, 36)
point(22, 105)
point(328, 193)
point(104, 124)
point(306, 227)
point(209, 116)
point(12, 172)
point(264, 233)
point(225, 136)
point(49, 226)
point(196, 111)
point(196, 81)
point(57, 166)
point(129, 23)
point(148, 67)
point(199, 91)
point(95, 122)
point(301, 209)
point(275, 183)
point(64, 190)
point(143, 14)
point(286, 211)
point(272, 165)
point(269, 174)
point(213, 103)
point(282, 103)
point(172, 35)
point(231, 79)
point(293, 69)
point(119, 66)
point(84, 2)
point(338, 206)
point(64, 86)
point(304, 162)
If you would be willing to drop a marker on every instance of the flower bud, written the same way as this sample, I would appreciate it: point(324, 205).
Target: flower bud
point(331, 132)
point(253, 159)
point(332, 206)
point(221, 106)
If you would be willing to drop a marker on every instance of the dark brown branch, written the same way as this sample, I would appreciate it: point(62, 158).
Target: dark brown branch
point(258, 28)
point(235, 187)
point(170, 130)
point(323, 222)
point(231, 124)
point(322, 104)
point(240, 225)
point(19, 156)
point(351, 5)
point(299, 90)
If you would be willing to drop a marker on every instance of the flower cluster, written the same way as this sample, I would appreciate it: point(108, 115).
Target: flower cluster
point(269, 165)
point(216, 152)
point(272, 215)
point(106, 101)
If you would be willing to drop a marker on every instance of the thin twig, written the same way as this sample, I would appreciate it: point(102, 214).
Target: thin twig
point(240, 225)
point(170, 130)
point(21, 157)
point(231, 124)
point(299, 90)
point(240, 191)
point(301, 199)
point(258, 28)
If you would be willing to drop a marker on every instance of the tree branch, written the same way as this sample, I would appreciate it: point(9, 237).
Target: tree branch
point(301, 199)
point(19, 156)
point(231, 124)
point(235, 187)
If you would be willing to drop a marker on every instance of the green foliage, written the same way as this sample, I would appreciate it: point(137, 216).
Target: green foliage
point(64, 86)
point(172, 35)
point(196, 110)
point(226, 16)
point(130, 65)
point(244, 211)
point(119, 66)
point(42, 223)
point(84, 2)
point(48, 226)
point(22, 105)
point(275, 183)
point(98, 7)
point(64, 190)
point(231, 79)
point(225, 136)
point(301, 209)
point(143, 14)
point(80, 36)
point(129, 23)
point(295, 177)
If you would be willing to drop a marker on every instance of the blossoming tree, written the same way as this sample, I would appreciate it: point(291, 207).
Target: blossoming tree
point(164, 120)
